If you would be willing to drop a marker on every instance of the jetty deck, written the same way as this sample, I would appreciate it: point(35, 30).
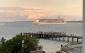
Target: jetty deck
point(55, 35)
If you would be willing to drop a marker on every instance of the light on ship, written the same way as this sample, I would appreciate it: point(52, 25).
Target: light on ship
point(37, 20)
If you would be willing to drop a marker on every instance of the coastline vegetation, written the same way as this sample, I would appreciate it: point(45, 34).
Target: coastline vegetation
point(58, 52)
point(15, 45)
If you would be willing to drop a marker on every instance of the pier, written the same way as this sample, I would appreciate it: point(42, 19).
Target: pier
point(60, 36)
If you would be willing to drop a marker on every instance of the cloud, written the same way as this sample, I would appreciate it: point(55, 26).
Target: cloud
point(34, 14)
point(22, 14)
point(57, 6)
point(11, 14)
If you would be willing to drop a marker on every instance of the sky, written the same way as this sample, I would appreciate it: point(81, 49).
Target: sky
point(57, 7)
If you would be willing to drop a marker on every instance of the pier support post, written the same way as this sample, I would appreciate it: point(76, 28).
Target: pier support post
point(77, 40)
point(67, 39)
point(52, 37)
point(59, 38)
point(43, 36)
point(63, 38)
point(72, 39)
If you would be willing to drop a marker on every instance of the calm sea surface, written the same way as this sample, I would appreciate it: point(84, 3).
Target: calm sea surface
point(10, 29)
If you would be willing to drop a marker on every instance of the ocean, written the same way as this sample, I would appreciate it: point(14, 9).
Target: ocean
point(10, 29)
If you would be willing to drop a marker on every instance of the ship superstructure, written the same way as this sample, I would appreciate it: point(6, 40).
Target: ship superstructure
point(51, 21)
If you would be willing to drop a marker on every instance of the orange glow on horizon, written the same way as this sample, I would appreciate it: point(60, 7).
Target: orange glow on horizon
point(35, 14)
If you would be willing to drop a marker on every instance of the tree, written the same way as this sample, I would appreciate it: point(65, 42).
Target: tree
point(58, 52)
point(3, 40)
point(14, 45)
point(3, 46)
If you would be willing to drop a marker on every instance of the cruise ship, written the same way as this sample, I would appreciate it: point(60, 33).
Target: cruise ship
point(50, 21)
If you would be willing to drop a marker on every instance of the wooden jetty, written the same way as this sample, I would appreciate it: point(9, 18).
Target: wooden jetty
point(54, 35)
